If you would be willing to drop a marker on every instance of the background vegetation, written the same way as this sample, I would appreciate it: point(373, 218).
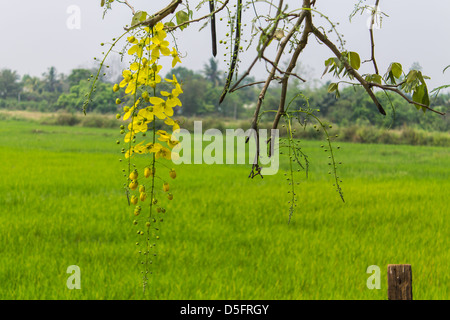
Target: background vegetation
point(60, 97)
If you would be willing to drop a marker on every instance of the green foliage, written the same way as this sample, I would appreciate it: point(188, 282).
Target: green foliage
point(394, 72)
point(138, 17)
point(202, 91)
point(9, 84)
point(182, 17)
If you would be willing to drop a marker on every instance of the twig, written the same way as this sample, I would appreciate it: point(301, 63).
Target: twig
point(301, 45)
point(397, 91)
point(269, 79)
point(372, 38)
point(281, 71)
point(130, 6)
point(154, 19)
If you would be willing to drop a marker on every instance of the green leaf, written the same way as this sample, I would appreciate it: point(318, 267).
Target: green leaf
point(138, 17)
point(412, 76)
point(182, 17)
point(422, 77)
point(376, 78)
point(329, 61)
point(418, 95)
point(169, 24)
point(396, 69)
point(102, 3)
point(332, 87)
point(355, 60)
point(421, 96)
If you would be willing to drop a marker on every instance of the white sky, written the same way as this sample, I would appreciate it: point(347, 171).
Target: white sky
point(34, 35)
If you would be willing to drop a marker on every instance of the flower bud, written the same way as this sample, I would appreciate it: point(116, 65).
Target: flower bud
point(134, 175)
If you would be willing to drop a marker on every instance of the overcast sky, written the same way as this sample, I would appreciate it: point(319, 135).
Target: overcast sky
point(35, 35)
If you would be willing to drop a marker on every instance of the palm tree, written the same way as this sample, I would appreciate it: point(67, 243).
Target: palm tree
point(211, 72)
point(32, 84)
point(50, 79)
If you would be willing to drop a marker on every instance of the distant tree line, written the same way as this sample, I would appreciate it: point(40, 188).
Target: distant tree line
point(55, 91)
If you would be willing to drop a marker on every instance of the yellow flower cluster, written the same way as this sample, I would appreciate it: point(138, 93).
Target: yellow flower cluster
point(144, 73)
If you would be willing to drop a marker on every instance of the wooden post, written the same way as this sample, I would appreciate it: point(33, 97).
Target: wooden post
point(399, 282)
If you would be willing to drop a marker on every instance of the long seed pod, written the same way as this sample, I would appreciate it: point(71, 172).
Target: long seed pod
point(237, 42)
point(213, 28)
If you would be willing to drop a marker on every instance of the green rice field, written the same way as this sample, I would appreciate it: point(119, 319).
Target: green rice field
point(224, 236)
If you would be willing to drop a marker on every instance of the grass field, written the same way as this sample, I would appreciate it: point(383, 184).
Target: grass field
point(224, 236)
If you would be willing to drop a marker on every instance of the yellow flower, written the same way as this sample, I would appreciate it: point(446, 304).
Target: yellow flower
point(129, 136)
point(145, 115)
point(160, 109)
point(138, 125)
point(128, 78)
point(138, 47)
point(129, 111)
point(166, 186)
point(132, 149)
point(158, 48)
point(173, 123)
point(163, 153)
point(172, 100)
point(132, 39)
point(176, 58)
point(169, 139)
point(177, 90)
point(158, 33)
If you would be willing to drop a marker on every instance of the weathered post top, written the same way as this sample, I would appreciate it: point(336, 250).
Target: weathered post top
point(399, 282)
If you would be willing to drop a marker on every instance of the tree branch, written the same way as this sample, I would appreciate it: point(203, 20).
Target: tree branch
point(154, 19)
point(372, 38)
point(350, 70)
point(301, 45)
point(397, 91)
point(264, 46)
point(198, 19)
